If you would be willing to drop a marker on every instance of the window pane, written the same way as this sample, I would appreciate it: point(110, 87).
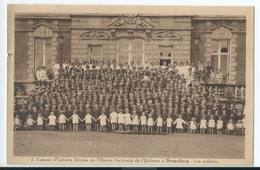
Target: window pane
point(214, 46)
point(48, 61)
point(38, 60)
point(223, 64)
point(39, 44)
point(166, 51)
point(223, 46)
point(214, 62)
point(123, 44)
point(95, 50)
point(137, 44)
point(123, 57)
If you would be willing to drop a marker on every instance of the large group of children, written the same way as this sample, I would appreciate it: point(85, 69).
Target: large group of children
point(146, 98)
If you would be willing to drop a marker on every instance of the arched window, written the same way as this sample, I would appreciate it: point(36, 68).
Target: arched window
point(129, 49)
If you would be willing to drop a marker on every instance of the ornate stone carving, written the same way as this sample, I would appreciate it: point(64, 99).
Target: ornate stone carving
point(131, 21)
point(93, 34)
point(166, 35)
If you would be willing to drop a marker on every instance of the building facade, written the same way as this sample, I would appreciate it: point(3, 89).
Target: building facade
point(218, 39)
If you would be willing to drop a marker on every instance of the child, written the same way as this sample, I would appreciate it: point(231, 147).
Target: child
point(62, 121)
point(88, 120)
point(179, 124)
point(75, 121)
point(230, 127)
point(103, 123)
point(17, 122)
point(219, 125)
point(211, 124)
point(39, 121)
point(239, 127)
point(29, 123)
point(193, 125)
point(113, 119)
point(121, 120)
point(150, 123)
point(159, 122)
point(52, 121)
point(143, 120)
point(169, 123)
point(135, 121)
point(127, 120)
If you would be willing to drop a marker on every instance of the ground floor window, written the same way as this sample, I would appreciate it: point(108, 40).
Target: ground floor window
point(166, 54)
point(43, 54)
point(95, 52)
point(130, 49)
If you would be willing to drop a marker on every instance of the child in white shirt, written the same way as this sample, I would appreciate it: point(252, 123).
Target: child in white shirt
point(88, 120)
point(52, 121)
point(143, 120)
point(113, 120)
point(127, 120)
point(75, 121)
point(135, 121)
point(179, 124)
point(159, 122)
point(121, 120)
point(150, 123)
point(29, 123)
point(230, 127)
point(219, 125)
point(17, 122)
point(62, 121)
point(211, 124)
point(39, 121)
point(203, 124)
point(169, 122)
point(103, 123)
point(193, 125)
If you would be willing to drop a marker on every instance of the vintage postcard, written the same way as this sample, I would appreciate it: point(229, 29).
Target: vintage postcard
point(130, 85)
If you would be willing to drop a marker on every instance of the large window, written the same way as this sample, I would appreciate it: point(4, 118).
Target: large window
point(130, 49)
point(166, 54)
point(220, 55)
point(95, 52)
point(42, 53)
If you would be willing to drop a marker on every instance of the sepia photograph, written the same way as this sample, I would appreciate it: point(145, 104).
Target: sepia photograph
point(130, 85)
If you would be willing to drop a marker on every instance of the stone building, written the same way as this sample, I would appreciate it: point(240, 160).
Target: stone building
point(219, 39)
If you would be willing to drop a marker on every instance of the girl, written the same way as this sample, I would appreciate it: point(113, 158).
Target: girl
point(179, 124)
point(88, 120)
point(113, 119)
point(143, 120)
point(127, 120)
point(75, 121)
point(39, 121)
point(103, 123)
point(62, 121)
point(135, 121)
point(29, 123)
point(193, 125)
point(169, 123)
point(17, 122)
point(219, 125)
point(211, 124)
point(230, 127)
point(159, 122)
point(52, 121)
point(121, 120)
point(150, 123)
point(239, 127)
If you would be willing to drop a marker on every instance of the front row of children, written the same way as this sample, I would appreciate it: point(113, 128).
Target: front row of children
point(147, 125)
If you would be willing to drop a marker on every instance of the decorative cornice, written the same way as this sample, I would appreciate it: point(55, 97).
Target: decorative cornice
point(221, 24)
point(166, 35)
point(43, 23)
point(131, 21)
point(94, 34)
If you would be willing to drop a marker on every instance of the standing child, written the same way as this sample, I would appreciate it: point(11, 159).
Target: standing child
point(17, 122)
point(230, 127)
point(135, 121)
point(127, 120)
point(143, 120)
point(211, 124)
point(52, 121)
point(113, 119)
point(39, 121)
point(203, 124)
point(150, 123)
point(75, 121)
point(159, 122)
point(121, 120)
point(219, 125)
point(103, 122)
point(169, 122)
point(239, 127)
point(62, 121)
point(88, 120)
point(179, 124)
point(29, 123)
point(193, 125)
